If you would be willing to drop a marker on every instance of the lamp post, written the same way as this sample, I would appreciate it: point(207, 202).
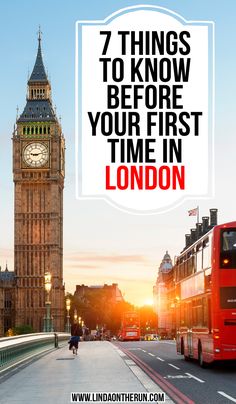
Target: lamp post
point(48, 326)
point(79, 320)
point(75, 316)
point(68, 314)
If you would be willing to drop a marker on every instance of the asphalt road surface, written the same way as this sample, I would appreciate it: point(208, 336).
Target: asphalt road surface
point(184, 381)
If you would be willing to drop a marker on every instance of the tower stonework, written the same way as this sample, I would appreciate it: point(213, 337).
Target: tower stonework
point(38, 173)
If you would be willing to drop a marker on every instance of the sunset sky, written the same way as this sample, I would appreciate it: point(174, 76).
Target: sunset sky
point(101, 243)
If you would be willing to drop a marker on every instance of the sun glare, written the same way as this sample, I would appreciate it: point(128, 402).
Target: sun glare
point(148, 302)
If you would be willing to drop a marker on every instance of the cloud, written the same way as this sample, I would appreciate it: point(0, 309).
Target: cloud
point(123, 282)
point(107, 275)
point(134, 273)
point(109, 258)
point(81, 266)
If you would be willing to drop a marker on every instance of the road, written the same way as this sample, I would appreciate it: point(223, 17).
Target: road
point(216, 384)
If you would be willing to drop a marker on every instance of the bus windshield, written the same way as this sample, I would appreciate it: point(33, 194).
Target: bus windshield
point(228, 248)
point(131, 320)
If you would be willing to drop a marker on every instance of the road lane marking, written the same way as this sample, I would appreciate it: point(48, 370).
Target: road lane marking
point(173, 392)
point(177, 377)
point(129, 362)
point(173, 366)
point(151, 354)
point(162, 360)
point(148, 383)
point(226, 395)
point(144, 350)
point(121, 353)
point(196, 378)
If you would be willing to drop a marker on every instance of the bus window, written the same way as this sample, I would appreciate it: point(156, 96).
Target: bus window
point(228, 249)
point(194, 313)
point(178, 317)
point(197, 312)
point(182, 315)
point(177, 274)
point(189, 314)
point(205, 311)
point(181, 271)
point(207, 281)
point(206, 261)
point(190, 263)
point(184, 266)
point(228, 238)
point(199, 257)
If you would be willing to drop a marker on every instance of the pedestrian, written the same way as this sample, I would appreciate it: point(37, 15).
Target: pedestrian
point(76, 333)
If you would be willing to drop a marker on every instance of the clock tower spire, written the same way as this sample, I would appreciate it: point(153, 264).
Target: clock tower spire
point(38, 174)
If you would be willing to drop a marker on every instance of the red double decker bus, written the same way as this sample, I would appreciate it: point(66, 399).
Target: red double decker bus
point(130, 327)
point(205, 276)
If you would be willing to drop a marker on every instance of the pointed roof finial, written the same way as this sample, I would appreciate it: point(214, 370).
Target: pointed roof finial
point(38, 73)
point(6, 267)
point(39, 34)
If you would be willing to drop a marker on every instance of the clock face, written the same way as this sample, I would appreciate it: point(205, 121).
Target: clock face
point(35, 154)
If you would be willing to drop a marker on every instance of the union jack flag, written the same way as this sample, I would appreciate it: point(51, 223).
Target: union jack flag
point(193, 212)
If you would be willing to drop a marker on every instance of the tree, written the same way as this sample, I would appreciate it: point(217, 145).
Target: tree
point(23, 329)
point(97, 308)
point(148, 320)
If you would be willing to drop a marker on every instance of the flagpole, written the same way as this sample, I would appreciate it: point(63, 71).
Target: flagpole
point(198, 214)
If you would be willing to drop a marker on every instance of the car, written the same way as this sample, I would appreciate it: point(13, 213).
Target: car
point(151, 337)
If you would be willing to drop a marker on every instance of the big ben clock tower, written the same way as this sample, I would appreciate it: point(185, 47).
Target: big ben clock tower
point(38, 172)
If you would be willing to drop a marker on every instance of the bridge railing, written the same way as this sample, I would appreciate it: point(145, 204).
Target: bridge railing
point(14, 350)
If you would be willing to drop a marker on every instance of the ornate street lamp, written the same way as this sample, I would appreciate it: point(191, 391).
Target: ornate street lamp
point(79, 320)
point(68, 314)
point(48, 326)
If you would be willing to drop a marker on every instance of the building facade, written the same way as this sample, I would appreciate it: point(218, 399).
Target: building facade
point(7, 300)
point(38, 174)
point(110, 292)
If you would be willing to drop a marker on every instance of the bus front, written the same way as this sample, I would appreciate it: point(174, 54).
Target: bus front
point(131, 327)
point(224, 292)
